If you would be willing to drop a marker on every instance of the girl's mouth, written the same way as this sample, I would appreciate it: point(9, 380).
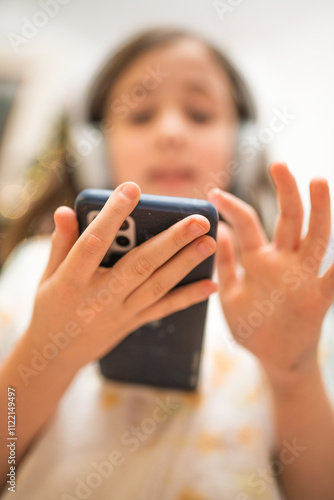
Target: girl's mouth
point(172, 177)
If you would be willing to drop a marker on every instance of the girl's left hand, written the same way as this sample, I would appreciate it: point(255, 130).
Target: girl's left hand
point(276, 305)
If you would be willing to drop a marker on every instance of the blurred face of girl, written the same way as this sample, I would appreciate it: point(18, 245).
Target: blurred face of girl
point(174, 122)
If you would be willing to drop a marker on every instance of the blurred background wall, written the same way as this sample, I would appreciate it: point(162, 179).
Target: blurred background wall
point(50, 48)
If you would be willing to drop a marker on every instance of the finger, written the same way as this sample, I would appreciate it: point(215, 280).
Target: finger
point(63, 238)
point(178, 299)
point(316, 240)
point(242, 217)
point(290, 221)
point(169, 275)
point(89, 250)
point(225, 256)
point(134, 268)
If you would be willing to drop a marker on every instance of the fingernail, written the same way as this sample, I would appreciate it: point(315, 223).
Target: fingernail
point(214, 192)
point(196, 228)
point(129, 191)
point(204, 249)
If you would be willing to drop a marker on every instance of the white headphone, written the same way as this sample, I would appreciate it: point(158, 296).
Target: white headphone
point(87, 155)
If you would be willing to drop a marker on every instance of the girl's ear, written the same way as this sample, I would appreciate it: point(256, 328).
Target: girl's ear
point(88, 155)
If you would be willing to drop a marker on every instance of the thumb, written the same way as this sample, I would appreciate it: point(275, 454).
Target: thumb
point(63, 238)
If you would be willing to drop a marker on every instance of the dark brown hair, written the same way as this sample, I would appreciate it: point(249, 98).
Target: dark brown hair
point(152, 39)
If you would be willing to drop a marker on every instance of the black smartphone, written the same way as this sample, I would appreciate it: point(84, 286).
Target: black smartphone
point(164, 353)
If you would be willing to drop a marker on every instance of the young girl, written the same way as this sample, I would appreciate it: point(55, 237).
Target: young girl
point(260, 425)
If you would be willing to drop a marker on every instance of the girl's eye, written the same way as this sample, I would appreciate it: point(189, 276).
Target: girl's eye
point(140, 117)
point(200, 116)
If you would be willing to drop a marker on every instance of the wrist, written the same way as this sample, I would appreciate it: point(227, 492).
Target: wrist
point(40, 355)
point(288, 383)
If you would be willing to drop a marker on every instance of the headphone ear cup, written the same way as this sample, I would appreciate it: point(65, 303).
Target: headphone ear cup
point(88, 156)
point(249, 161)
point(251, 180)
point(249, 157)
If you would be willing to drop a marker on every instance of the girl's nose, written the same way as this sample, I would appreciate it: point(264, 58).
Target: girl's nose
point(171, 129)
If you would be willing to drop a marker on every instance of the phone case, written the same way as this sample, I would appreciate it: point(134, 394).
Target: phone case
point(164, 353)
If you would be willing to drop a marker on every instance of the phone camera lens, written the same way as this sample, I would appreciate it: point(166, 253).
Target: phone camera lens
point(122, 241)
point(125, 225)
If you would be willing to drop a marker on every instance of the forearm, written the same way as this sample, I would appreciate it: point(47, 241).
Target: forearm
point(305, 436)
point(37, 394)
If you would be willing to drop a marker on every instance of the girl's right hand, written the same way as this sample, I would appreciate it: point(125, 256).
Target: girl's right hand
point(86, 310)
